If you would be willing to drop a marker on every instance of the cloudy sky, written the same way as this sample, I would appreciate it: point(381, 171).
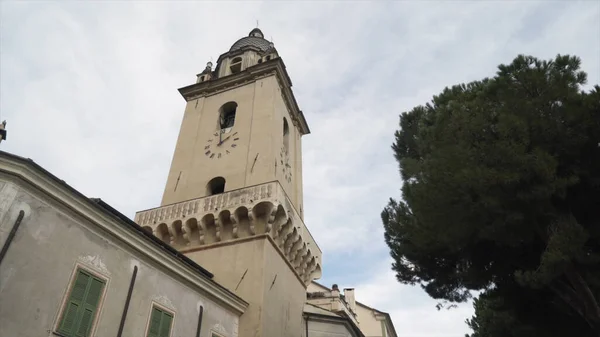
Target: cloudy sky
point(89, 90)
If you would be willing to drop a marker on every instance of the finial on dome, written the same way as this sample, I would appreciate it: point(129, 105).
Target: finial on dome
point(209, 65)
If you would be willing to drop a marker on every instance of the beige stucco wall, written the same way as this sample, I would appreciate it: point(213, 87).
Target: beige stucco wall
point(259, 127)
point(273, 311)
point(283, 299)
point(369, 325)
point(53, 239)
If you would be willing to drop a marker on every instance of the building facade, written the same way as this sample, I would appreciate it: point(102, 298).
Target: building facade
point(73, 266)
point(226, 253)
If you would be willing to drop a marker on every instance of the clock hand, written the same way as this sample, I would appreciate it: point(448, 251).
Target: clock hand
point(221, 142)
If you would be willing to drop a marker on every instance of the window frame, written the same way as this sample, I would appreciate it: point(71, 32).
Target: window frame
point(67, 295)
point(234, 63)
point(164, 309)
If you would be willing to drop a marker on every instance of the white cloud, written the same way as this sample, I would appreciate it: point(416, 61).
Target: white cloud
point(89, 92)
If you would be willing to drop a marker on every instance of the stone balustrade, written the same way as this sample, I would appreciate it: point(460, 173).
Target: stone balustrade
point(234, 215)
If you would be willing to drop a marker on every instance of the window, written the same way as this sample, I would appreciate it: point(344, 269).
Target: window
point(201, 78)
point(268, 57)
point(259, 61)
point(215, 186)
point(227, 115)
point(160, 323)
point(80, 310)
point(286, 135)
point(236, 65)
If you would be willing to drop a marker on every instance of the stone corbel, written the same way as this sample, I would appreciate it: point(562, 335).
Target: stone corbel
point(218, 228)
point(284, 231)
point(201, 231)
point(271, 219)
point(310, 269)
point(295, 247)
point(279, 224)
point(297, 259)
point(304, 264)
point(185, 236)
point(289, 240)
point(234, 224)
point(252, 221)
point(171, 234)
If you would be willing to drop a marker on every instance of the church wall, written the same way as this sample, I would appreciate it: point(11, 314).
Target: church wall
point(240, 268)
point(262, 142)
point(259, 129)
point(284, 297)
point(52, 240)
point(192, 165)
point(184, 152)
point(293, 186)
point(274, 310)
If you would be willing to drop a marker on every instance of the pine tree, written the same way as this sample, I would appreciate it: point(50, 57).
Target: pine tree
point(502, 188)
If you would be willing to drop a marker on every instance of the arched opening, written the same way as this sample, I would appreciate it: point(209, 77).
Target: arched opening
point(259, 61)
point(227, 115)
point(236, 65)
point(268, 57)
point(286, 135)
point(215, 186)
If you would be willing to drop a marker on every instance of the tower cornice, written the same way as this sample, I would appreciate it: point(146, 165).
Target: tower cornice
point(273, 67)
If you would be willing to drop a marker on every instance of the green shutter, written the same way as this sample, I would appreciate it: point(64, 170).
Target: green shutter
point(81, 307)
point(160, 323)
point(154, 328)
point(89, 307)
point(165, 325)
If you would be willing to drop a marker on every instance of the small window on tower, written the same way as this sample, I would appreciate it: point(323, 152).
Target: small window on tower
point(268, 57)
point(215, 186)
point(227, 115)
point(236, 65)
point(286, 135)
point(259, 61)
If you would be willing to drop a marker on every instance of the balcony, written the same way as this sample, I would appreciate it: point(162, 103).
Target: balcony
point(234, 215)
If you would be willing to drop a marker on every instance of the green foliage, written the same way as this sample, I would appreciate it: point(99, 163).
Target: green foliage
point(520, 312)
point(501, 187)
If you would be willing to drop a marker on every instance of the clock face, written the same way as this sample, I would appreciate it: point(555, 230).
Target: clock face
point(220, 144)
point(286, 168)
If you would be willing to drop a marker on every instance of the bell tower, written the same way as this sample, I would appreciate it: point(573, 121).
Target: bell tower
point(241, 127)
point(233, 198)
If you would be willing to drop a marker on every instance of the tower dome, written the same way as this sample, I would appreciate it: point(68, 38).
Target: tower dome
point(255, 39)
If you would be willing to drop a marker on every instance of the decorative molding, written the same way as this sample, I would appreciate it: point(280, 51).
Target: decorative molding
point(96, 262)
